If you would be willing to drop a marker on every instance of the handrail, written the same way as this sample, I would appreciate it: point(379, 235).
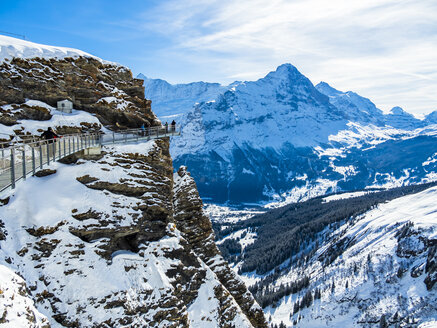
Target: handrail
point(19, 160)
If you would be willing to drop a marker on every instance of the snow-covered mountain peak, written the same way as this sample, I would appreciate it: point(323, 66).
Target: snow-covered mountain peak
point(431, 118)
point(172, 100)
point(286, 73)
point(260, 137)
point(12, 47)
point(286, 69)
point(399, 111)
point(358, 108)
point(400, 119)
point(326, 89)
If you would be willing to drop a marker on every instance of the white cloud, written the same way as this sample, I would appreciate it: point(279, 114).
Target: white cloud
point(385, 50)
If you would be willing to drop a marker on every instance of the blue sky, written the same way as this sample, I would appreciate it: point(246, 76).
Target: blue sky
point(385, 50)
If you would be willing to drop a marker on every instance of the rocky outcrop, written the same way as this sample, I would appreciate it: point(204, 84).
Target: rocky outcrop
point(107, 90)
point(102, 241)
point(196, 228)
point(121, 252)
point(10, 116)
point(431, 266)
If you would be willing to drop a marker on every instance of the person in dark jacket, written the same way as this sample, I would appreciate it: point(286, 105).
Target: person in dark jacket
point(173, 126)
point(49, 134)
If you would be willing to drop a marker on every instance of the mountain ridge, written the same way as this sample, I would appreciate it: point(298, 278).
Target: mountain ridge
point(283, 128)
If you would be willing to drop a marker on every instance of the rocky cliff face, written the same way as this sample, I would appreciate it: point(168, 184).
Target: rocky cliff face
point(197, 229)
point(115, 253)
point(122, 242)
point(110, 240)
point(107, 90)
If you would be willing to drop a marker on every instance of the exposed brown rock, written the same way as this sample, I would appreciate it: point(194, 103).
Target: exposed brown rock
point(41, 231)
point(44, 173)
point(85, 81)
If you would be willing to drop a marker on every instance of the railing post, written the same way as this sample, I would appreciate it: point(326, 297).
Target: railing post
point(24, 163)
point(48, 153)
point(113, 137)
point(60, 148)
point(54, 151)
point(65, 147)
point(13, 167)
point(40, 156)
point(73, 143)
point(33, 161)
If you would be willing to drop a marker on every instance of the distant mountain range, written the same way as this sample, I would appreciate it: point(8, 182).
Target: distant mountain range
point(281, 138)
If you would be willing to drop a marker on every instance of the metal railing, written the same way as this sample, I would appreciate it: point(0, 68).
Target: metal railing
point(18, 160)
point(132, 135)
point(21, 160)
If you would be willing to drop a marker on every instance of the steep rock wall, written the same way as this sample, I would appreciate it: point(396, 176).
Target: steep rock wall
point(197, 230)
point(99, 245)
point(107, 90)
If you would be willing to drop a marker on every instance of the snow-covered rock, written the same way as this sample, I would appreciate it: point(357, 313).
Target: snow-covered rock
point(103, 89)
point(16, 48)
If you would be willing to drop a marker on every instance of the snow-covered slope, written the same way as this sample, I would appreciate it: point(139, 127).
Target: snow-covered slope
point(345, 260)
point(13, 47)
point(385, 271)
point(431, 118)
point(16, 306)
point(359, 109)
point(362, 110)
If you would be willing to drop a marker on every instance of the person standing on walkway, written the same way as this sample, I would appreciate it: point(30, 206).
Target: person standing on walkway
point(49, 134)
point(166, 127)
point(173, 126)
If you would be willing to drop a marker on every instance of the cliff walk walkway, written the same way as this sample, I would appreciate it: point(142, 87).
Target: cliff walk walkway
point(21, 159)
